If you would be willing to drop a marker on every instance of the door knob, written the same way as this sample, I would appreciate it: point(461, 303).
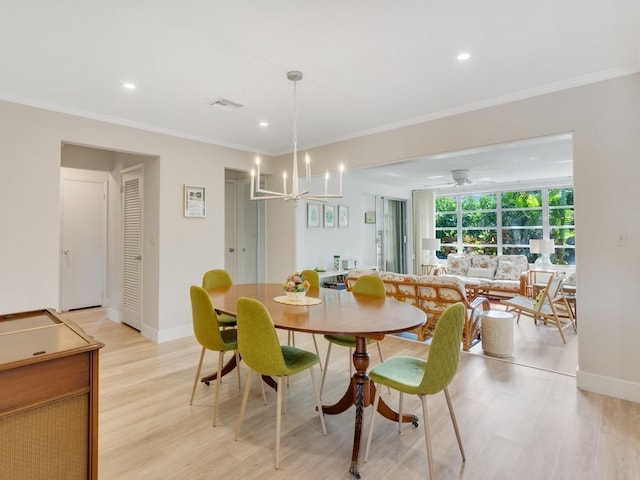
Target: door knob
point(66, 252)
point(138, 257)
point(231, 250)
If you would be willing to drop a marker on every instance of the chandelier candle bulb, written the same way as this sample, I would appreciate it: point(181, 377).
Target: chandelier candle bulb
point(258, 193)
point(284, 181)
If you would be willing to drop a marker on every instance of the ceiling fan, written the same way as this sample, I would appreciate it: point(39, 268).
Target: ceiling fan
point(461, 178)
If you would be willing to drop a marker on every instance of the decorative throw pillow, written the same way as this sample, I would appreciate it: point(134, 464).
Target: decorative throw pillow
point(458, 264)
point(507, 271)
point(481, 272)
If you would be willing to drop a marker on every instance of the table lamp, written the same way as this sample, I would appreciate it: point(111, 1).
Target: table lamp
point(431, 245)
point(544, 248)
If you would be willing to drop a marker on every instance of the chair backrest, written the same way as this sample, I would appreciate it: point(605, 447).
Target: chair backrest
point(369, 285)
point(258, 342)
point(216, 278)
point(549, 293)
point(444, 352)
point(205, 320)
point(312, 277)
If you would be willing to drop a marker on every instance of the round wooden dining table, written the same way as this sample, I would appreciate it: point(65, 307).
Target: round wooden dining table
point(339, 312)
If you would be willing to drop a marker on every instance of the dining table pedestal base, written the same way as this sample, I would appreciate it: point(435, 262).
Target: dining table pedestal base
point(361, 392)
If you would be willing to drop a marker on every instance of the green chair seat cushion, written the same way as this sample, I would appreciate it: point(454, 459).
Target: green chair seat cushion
point(404, 374)
point(345, 340)
point(229, 338)
point(296, 360)
point(225, 320)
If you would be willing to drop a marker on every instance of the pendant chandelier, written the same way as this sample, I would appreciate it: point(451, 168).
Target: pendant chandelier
point(294, 193)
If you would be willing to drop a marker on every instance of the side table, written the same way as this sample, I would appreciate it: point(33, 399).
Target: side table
point(497, 333)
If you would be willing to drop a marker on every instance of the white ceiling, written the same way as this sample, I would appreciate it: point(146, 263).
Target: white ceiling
point(369, 65)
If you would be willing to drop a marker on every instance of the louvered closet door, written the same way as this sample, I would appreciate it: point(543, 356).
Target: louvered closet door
point(132, 195)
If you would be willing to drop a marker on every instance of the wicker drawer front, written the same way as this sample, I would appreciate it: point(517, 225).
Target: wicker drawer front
point(46, 443)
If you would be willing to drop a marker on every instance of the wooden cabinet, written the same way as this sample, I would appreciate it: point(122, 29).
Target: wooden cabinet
point(48, 398)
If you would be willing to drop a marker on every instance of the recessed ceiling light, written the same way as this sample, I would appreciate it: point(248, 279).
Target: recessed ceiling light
point(464, 56)
point(264, 124)
point(129, 85)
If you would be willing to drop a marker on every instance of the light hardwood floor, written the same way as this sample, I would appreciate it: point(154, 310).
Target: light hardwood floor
point(515, 421)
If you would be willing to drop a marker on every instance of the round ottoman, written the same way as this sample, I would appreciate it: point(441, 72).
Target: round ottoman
point(497, 333)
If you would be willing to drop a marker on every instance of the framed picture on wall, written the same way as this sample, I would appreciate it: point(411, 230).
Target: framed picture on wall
point(194, 201)
point(370, 216)
point(343, 216)
point(313, 215)
point(329, 216)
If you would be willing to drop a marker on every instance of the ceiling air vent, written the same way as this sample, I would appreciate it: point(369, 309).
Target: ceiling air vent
point(225, 103)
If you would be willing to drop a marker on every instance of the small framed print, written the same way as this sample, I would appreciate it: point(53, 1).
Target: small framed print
point(343, 216)
point(329, 216)
point(194, 201)
point(313, 215)
point(370, 216)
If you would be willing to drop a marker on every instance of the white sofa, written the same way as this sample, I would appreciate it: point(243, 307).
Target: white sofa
point(489, 273)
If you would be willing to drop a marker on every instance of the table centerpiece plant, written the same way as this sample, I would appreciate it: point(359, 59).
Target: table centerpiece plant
point(295, 287)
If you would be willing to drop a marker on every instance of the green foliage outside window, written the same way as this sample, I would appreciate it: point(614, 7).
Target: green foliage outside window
point(475, 223)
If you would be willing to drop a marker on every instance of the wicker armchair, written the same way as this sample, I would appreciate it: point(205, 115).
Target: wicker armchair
point(432, 294)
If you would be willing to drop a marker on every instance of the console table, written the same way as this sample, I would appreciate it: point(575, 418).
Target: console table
point(49, 399)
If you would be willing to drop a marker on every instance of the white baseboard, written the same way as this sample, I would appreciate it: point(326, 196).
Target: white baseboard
point(612, 387)
point(114, 315)
point(173, 333)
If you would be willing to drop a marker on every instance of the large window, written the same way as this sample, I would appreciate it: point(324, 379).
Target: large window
point(504, 222)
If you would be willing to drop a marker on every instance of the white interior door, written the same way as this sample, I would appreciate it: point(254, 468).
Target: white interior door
point(132, 209)
point(83, 254)
point(230, 253)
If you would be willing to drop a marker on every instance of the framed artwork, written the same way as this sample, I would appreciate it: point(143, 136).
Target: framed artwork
point(343, 216)
point(329, 216)
point(194, 201)
point(313, 215)
point(370, 216)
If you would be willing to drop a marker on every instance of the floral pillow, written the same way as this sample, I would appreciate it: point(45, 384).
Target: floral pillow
point(458, 264)
point(507, 271)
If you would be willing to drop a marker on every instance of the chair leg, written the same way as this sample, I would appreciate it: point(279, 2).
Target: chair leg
point(455, 423)
point(382, 360)
point(218, 380)
point(244, 404)
point(278, 419)
point(318, 400)
point(427, 435)
point(326, 367)
point(315, 344)
point(400, 405)
point(376, 401)
point(237, 354)
point(285, 385)
point(195, 381)
point(264, 396)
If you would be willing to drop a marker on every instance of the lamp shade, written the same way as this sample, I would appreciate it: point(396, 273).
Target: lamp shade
point(431, 244)
point(542, 246)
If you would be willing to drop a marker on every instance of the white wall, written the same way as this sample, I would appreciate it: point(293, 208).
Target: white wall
point(604, 118)
point(317, 246)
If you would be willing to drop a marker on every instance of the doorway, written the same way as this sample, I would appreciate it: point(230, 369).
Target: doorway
point(391, 238)
point(244, 230)
point(83, 239)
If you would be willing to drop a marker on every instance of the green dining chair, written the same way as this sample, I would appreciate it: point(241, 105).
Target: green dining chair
point(219, 278)
point(419, 377)
point(262, 353)
point(365, 285)
point(208, 333)
point(314, 282)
